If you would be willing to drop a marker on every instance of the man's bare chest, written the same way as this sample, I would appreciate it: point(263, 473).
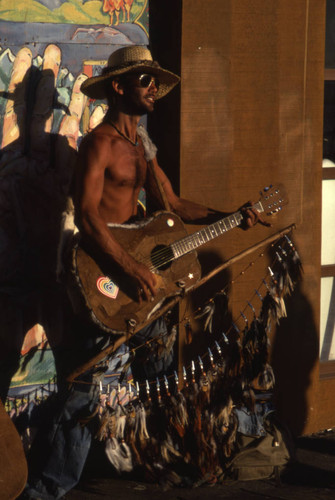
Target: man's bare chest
point(129, 170)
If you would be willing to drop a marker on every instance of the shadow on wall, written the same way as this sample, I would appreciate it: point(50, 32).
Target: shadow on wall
point(215, 294)
point(295, 351)
point(38, 148)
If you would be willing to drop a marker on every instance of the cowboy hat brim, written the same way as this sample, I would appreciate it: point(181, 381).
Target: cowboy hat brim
point(95, 87)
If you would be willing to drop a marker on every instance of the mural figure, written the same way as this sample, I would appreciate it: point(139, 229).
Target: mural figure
point(115, 7)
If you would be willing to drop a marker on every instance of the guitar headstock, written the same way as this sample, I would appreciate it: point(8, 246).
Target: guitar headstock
point(272, 199)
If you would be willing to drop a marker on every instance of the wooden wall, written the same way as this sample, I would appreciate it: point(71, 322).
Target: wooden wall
point(251, 112)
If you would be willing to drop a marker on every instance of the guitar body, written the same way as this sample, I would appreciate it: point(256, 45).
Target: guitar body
point(110, 295)
point(13, 465)
point(163, 244)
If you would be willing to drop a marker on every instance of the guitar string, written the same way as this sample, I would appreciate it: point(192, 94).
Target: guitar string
point(208, 233)
point(185, 242)
point(163, 256)
point(165, 253)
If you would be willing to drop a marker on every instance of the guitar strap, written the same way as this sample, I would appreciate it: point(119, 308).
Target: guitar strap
point(165, 202)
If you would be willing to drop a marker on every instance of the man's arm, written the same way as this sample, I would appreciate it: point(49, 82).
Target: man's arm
point(93, 157)
point(196, 213)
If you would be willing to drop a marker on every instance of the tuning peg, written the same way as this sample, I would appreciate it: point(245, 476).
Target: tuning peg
point(259, 295)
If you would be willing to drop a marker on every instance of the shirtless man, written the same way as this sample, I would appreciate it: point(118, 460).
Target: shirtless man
point(112, 168)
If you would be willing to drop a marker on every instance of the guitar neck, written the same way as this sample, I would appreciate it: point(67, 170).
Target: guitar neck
point(195, 240)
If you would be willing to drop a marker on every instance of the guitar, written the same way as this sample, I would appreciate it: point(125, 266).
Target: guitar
point(162, 243)
point(13, 464)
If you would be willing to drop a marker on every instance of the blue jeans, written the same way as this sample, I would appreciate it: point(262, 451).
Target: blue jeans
point(60, 449)
point(251, 423)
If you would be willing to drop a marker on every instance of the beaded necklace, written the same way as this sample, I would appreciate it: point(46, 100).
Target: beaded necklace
point(134, 143)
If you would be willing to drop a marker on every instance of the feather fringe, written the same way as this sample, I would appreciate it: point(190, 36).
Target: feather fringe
point(195, 428)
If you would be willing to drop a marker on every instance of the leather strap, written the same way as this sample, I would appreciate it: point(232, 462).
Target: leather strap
point(159, 185)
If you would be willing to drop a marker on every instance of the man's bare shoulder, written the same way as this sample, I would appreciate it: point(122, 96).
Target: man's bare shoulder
point(103, 136)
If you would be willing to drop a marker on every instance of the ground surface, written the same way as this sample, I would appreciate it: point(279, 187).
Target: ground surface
point(311, 477)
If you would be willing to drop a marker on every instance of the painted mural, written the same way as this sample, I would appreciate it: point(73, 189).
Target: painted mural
point(47, 49)
point(105, 12)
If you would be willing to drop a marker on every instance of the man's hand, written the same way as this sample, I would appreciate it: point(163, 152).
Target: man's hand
point(145, 280)
point(251, 217)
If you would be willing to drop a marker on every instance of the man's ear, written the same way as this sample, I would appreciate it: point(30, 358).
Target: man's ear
point(117, 87)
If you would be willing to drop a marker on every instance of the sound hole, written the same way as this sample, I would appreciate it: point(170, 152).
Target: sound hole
point(161, 257)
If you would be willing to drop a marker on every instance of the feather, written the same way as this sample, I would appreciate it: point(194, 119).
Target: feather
point(178, 413)
point(208, 311)
point(266, 379)
point(165, 343)
point(249, 399)
point(119, 455)
point(107, 424)
point(168, 451)
point(120, 416)
point(141, 430)
point(130, 434)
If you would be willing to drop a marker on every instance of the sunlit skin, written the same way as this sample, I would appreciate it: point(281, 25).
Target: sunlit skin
point(110, 172)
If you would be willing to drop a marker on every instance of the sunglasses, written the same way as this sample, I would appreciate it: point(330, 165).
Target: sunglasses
point(145, 81)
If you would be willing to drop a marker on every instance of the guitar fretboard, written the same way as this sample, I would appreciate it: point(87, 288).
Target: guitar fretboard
point(208, 233)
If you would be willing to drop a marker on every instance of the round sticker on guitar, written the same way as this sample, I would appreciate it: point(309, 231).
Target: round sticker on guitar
point(107, 287)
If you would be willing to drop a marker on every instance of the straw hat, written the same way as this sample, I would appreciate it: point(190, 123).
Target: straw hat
point(129, 59)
